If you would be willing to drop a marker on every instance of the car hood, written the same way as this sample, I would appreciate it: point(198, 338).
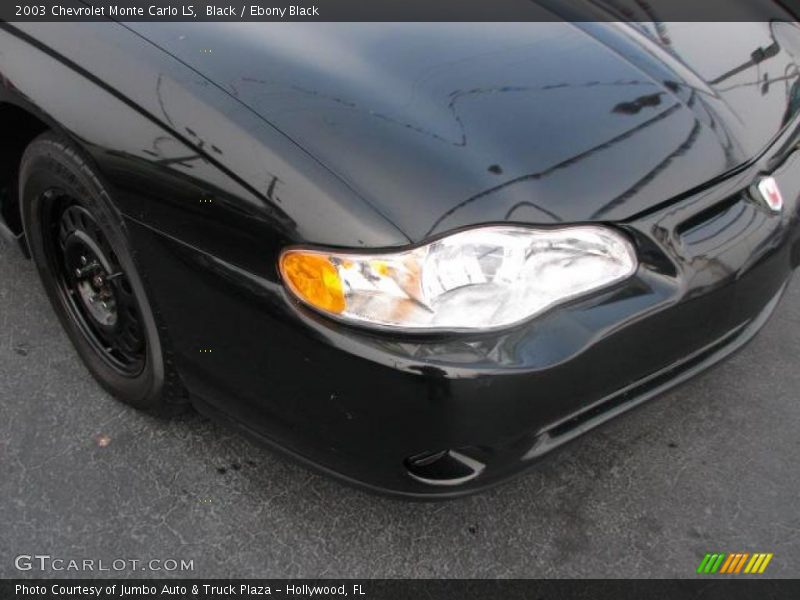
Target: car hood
point(440, 126)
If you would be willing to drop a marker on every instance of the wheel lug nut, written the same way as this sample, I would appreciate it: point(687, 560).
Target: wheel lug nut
point(87, 269)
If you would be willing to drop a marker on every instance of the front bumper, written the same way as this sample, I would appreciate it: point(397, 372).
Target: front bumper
point(442, 416)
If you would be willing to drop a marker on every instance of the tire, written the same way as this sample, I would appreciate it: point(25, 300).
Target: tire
point(78, 241)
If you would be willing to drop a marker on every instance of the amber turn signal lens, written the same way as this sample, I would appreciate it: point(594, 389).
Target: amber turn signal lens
point(314, 279)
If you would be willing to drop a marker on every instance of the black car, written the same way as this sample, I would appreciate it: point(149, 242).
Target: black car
point(416, 256)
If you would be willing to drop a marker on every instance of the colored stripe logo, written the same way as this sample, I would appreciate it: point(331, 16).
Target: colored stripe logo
point(734, 563)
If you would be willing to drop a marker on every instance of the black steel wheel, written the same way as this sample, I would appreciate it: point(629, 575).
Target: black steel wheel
point(93, 284)
point(78, 240)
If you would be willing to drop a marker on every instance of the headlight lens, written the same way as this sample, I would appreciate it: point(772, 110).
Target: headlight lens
point(477, 279)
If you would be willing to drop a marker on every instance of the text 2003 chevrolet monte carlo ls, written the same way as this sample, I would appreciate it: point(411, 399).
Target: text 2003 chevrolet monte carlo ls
point(417, 256)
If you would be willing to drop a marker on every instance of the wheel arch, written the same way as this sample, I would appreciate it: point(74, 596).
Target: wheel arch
point(20, 126)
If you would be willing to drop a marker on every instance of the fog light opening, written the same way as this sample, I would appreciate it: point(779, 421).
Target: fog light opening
point(443, 468)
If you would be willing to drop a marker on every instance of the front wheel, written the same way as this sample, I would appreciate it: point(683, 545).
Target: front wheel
point(78, 242)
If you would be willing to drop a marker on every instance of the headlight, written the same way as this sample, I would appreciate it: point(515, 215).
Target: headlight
point(482, 278)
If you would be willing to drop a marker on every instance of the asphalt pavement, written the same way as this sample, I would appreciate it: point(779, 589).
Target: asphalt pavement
point(713, 466)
